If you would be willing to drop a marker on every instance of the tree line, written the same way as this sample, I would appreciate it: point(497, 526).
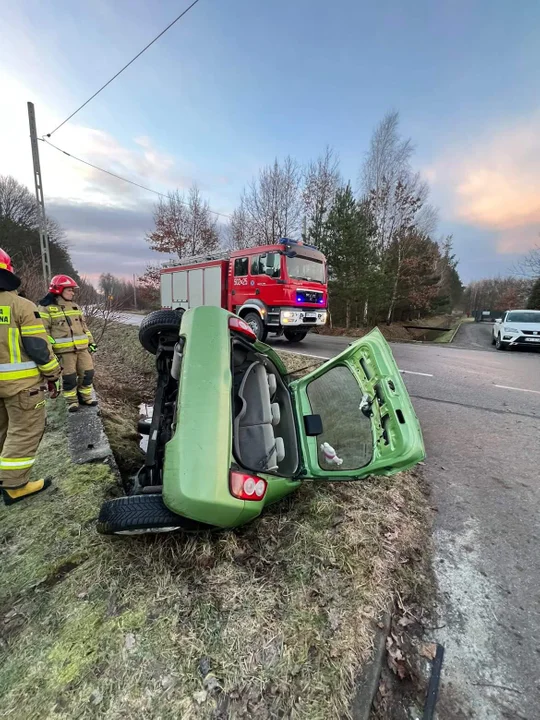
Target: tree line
point(385, 261)
point(19, 237)
point(502, 293)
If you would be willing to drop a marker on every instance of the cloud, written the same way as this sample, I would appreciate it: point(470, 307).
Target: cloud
point(104, 218)
point(494, 183)
point(106, 239)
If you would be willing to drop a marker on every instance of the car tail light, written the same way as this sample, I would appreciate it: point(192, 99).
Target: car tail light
point(241, 326)
point(247, 487)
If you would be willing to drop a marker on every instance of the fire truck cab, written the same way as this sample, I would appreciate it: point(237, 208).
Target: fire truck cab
point(280, 289)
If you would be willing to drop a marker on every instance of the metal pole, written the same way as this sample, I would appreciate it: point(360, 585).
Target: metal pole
point(43, 236)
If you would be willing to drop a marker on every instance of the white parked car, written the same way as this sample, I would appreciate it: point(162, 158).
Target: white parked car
point(517, 327)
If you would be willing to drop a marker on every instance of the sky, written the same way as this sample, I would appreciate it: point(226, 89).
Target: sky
point(235, 84)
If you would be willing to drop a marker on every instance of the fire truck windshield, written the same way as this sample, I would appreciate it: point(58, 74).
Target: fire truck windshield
point(304, 268)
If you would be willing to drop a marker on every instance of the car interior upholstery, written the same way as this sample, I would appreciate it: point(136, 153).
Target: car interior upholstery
point(264, 434)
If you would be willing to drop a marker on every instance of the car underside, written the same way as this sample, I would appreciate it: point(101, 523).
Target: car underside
point(230, 433)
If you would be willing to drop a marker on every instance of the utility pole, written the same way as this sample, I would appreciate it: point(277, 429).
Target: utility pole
point(134, 292)
point(43, 236)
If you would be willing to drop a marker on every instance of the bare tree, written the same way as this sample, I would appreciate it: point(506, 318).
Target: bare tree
point(32, 282)
point(17, 203)
point(321, 182)
point(272, 202)
point(530, 265)
point(100, 311)
point(184, 226)
point(239, 232)
point(387, 166)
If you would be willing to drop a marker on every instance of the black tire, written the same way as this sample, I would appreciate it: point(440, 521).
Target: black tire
point(138, 514)
point(493, 341)
point(255, 322)
point(160, 324)
point(499, 344)
point(294, 335)
point(143, 426)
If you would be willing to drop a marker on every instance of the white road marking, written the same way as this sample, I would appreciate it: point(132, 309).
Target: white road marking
point(413, 372)
point(508, 387)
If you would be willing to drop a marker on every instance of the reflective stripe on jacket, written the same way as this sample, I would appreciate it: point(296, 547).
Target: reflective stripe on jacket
point(26, 356)
point(66, 326)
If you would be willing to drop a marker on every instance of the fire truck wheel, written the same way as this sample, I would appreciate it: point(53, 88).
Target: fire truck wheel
point(158, 324)
point(256, 324)
point(294, 335)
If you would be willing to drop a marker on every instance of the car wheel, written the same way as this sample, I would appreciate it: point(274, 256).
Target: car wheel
point(160, 324)
point(255, 322)
point(499, 344)
point(139, 514)
point(493, 341)
point(294, 335)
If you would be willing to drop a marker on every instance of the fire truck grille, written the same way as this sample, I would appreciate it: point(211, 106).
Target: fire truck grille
point(311, 296)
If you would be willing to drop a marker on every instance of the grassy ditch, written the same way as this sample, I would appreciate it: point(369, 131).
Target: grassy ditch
point(397, 332)
point(271, 620)
point(125, 377)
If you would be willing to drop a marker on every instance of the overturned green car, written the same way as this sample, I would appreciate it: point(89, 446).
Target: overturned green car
point(230, 433)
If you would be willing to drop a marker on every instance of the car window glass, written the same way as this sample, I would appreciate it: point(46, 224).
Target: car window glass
point(266, 264)
point(337, 397)
point(272, 265)
point(523, 317)
point(241, 266)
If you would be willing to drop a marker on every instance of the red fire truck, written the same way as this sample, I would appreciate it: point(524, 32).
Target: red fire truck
point(280, 289)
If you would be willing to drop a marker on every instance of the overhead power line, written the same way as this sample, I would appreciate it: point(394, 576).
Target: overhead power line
point(125, 67)
point(119, 177)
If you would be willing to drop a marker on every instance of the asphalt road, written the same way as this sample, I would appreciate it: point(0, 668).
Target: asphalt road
point(480, 413)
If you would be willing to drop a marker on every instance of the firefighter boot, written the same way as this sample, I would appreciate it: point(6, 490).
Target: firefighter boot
point(15, 495)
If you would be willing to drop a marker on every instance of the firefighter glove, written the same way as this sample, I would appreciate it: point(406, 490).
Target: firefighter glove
point(92, 347)
point(53, 387)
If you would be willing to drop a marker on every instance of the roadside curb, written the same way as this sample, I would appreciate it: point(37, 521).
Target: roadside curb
point(87, 439)
point(367, 683)
point(453, 335)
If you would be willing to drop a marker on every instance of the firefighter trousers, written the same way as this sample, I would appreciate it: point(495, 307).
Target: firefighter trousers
point(22, 423)
point(77, 375)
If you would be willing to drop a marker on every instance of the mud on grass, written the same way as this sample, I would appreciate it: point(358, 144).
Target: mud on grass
point(271, 620)
point(125, 377)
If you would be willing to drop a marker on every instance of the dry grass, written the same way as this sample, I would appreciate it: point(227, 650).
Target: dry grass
point(282, 611)
point(125, 377)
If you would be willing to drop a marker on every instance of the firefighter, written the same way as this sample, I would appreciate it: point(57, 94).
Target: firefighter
point(27, 367)
point(71, 339)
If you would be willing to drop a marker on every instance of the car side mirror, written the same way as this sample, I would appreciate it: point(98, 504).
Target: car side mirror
point(498, 320)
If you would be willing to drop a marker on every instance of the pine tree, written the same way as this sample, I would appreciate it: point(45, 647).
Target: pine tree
point(534, 297)
point(349, 249)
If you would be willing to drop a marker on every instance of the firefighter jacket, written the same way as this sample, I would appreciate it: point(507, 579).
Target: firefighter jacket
point(65, 324)
point(26, 356)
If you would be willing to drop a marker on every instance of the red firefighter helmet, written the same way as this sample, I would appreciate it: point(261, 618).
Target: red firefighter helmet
point(59, 283)
point(5, 261)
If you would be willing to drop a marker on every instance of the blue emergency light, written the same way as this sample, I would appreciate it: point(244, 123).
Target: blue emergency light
point(286, 241)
